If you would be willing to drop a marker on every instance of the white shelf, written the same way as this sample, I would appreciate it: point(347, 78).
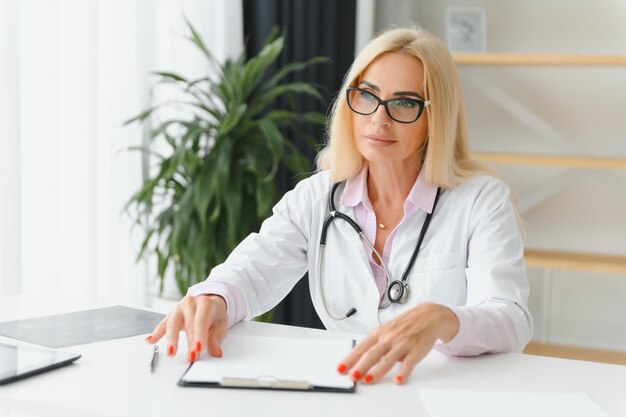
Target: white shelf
point(575, 261)
point(538, 59)
point(586, 162)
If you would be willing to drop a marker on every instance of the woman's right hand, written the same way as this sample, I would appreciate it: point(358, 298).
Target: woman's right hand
point(204, 320)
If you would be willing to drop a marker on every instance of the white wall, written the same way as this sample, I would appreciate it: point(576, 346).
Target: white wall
point(569, 110)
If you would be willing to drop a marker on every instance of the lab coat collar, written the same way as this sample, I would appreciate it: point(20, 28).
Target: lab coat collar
point(422, 195)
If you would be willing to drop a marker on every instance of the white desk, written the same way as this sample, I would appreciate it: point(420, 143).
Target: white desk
point(112, 379)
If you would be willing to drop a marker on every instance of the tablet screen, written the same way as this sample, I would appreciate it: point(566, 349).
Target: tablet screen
point(18, 362)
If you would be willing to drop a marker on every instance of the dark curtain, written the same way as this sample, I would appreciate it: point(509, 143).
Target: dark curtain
point(311, 28)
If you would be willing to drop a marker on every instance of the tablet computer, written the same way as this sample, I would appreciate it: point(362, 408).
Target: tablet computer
point(17, 362)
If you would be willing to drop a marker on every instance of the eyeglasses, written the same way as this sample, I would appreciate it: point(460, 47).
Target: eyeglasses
point(402, 110)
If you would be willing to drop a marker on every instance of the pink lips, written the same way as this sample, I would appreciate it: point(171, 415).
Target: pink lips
point(379, 139)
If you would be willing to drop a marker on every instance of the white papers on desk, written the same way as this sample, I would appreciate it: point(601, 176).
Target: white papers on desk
point(455, 403)
point(280, 358)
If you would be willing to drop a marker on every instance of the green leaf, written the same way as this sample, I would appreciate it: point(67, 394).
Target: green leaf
point(162, 261)
point(295, 161)
point(197, 40)
point(314, 142)
point(171, 76)
point(275, 143)
point(164, 219)
point(233, 201)
point(273, 35)
point(180, 226)
point(285, 116)
point(274, 137)
point(294, 67)
point(194, 83)
point(232, 119)
point(264, 196)
point(256, 67)
point(204, 189)
point(293, 88)
point(141, 116)
point(145, 149)
point(144, 245)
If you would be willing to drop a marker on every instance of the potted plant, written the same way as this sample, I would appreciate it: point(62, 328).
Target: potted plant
point(216, 184)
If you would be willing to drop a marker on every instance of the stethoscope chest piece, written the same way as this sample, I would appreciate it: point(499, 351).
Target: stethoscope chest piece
point(399, 292)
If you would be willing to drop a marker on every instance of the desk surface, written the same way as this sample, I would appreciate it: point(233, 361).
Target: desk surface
point(112, 379)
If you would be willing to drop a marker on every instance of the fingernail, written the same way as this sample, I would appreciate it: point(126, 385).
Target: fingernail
point(198, 346)
point(220, 353)
point(399, 379)
point(368, 378)
point(356, 375)
point(149, 337)
point(170, 350)
point(341, 368)
point(192, 356)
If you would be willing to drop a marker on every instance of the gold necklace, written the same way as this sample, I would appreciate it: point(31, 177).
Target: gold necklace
point(380, 224)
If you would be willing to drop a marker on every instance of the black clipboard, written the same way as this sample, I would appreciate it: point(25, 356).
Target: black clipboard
point(265, 381)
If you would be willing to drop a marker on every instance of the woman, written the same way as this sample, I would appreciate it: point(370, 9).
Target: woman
point(445, 265)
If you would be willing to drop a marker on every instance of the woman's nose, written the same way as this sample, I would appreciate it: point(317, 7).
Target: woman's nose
point(380, 116)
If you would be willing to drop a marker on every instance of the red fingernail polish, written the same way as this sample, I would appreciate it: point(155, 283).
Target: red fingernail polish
point(198, 346)
point(356, 375)
point(149, 337)
point(191, 357)
point(170, 350)
point(368, 378)
point(341, 368)
point(399, 379)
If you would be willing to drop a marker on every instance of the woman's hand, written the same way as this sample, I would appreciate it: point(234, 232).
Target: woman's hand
point(204, 320)
point(407, 339)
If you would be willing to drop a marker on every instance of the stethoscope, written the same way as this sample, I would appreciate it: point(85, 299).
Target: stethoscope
point(398, 291)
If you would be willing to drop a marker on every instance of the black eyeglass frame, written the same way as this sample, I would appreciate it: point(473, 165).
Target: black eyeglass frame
point(421, 103)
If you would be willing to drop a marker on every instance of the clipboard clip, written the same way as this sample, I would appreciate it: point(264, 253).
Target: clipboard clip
point(265, 382)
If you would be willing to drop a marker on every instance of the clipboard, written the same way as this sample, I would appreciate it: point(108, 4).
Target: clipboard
point(273, 363)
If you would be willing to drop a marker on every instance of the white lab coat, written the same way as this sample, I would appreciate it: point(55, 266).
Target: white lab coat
point(471, 260)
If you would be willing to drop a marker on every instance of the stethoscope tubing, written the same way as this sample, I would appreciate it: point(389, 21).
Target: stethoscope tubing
point(387, 298)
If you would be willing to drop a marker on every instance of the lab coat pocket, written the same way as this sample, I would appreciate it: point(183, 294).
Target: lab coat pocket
point(440, 278)
point(438, 261)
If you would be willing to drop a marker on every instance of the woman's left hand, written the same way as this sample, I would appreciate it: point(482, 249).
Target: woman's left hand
point(406, 339)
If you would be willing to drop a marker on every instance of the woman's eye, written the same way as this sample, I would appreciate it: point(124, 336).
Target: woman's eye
point(405, 103)
point(366, 95)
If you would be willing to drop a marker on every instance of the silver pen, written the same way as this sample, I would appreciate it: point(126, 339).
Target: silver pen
point(155, 358)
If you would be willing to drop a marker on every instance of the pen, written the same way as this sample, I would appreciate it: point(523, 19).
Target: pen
point(155, 358)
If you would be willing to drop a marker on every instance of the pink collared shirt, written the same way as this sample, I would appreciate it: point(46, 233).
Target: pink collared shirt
point(422, 197)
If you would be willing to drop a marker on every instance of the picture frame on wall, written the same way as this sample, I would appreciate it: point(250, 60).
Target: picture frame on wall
point(466, 29)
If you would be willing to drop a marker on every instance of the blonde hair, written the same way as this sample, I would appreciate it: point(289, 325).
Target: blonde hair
point(446, 160)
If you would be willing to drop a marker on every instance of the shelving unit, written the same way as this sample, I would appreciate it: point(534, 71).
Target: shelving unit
point(555, 259)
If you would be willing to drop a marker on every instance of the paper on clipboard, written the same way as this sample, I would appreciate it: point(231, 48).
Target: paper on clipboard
point(274, 362)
